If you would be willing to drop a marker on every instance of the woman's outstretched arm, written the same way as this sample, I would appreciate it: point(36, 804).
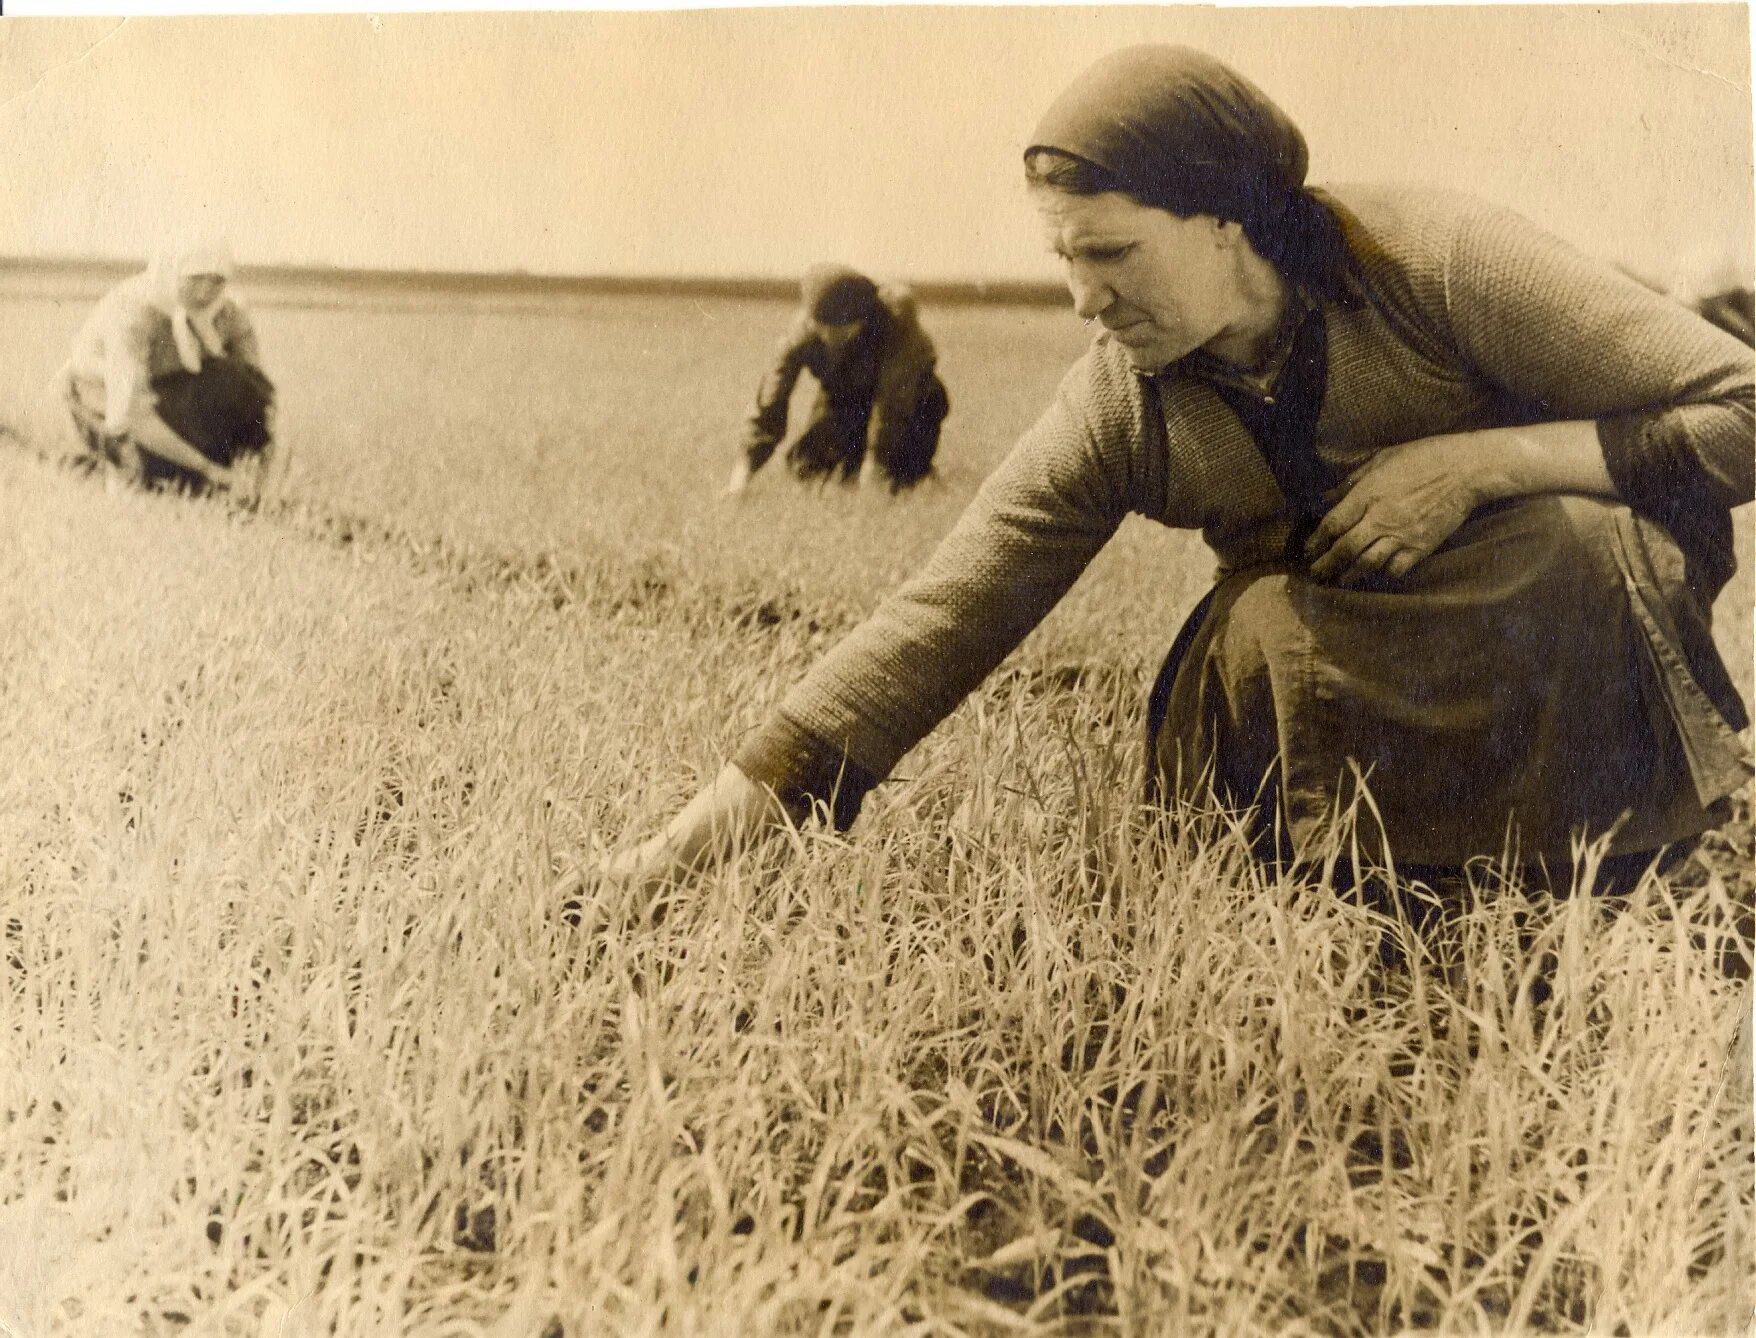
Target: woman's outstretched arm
point(767, 423)
point(1034, 526)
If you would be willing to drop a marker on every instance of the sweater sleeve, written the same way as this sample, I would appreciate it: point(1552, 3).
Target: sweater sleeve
point(767, 423)
point(1572, 338)
point(1031, 530)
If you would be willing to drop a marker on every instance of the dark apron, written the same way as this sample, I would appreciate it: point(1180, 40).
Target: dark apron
point(1284, 429)
point(221, 410)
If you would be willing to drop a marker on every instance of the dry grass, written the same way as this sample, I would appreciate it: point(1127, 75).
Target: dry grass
point(295, 1046)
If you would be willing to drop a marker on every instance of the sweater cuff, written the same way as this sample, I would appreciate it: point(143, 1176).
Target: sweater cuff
point(1657, 472)
point(1650, 460)
point(804, 770)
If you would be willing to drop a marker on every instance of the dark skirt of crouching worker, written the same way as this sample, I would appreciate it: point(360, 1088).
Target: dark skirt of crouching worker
point(880, 402)
point(1553, 676)
point(222, 411)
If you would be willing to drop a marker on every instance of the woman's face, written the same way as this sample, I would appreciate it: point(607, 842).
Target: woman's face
point(198, 291)
point(835, 337)
point(1163, 286)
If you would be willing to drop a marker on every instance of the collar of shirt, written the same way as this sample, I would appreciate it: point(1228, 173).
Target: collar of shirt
point(1259, 381)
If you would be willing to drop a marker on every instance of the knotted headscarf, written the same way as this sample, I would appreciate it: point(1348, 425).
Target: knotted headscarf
point(1157, 116)
point(1181, 131)
point(192, 328)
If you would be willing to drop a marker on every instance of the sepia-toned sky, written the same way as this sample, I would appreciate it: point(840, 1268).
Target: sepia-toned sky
point(752, 142)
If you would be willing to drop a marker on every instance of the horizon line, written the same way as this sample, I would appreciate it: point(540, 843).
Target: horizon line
point(520, 282)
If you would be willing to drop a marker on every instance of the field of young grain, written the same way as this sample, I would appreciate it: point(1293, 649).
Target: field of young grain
point(294, 1043)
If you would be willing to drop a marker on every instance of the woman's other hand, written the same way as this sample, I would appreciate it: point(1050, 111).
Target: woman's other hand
point(739, 480)
point(1396, 509)
point(1407, 500)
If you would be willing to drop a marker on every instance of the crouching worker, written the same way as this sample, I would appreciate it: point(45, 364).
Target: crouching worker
point(165, 381)
point(1470, 493)
point(879, 402)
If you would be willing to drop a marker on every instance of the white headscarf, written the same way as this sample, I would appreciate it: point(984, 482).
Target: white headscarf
point(193, 329)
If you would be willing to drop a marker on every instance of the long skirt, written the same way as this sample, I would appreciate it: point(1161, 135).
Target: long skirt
point(1540, 680)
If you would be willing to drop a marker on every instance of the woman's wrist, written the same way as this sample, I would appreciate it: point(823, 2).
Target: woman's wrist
point(1504, 469)
point(1537, 459)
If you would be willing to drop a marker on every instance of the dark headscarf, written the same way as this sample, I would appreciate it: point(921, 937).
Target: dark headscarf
point(1178, 130)
point(837, 295)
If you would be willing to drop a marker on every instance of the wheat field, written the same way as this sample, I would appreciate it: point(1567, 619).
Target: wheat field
point(296, 1044)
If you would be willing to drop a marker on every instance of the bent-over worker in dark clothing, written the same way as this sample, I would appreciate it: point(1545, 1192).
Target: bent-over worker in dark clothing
point(879, 403)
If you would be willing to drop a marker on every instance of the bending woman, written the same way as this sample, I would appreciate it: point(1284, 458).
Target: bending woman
point(165, 381)
point(879, 402)
point(1470, 494)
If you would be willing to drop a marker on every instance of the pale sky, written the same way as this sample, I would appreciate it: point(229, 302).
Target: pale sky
point(756, 141)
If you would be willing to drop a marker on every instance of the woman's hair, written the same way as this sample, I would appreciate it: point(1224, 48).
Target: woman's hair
point(1291, 228)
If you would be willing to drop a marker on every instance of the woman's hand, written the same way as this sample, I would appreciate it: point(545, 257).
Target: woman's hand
point(629, 881)
point(647, 868)
point(725, 816)
point(1396, 509)
point(1407, 500)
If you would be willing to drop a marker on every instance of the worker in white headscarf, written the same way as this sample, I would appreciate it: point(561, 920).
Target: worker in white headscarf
point(165, 381)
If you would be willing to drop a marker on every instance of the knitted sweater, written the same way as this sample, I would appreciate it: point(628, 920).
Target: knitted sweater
point(1463, 316)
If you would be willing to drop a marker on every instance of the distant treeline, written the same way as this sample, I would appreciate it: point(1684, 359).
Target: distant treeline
point(305, 285)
